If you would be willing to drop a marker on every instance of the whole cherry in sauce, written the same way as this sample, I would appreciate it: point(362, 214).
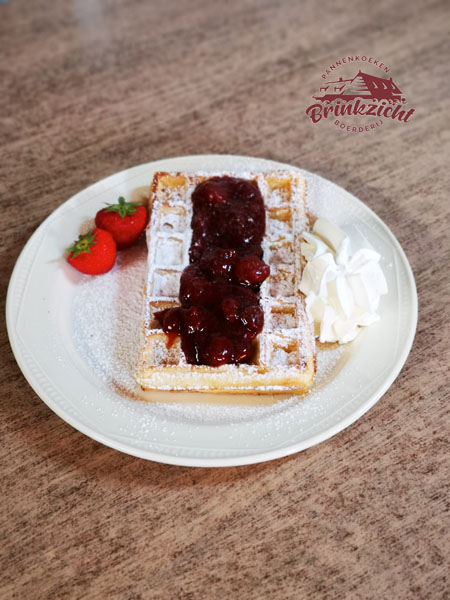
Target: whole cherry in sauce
point(218, 262)
point(220, 314)
point(251, 270)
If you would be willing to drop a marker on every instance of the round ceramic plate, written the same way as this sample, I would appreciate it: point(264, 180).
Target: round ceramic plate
point(81, 364)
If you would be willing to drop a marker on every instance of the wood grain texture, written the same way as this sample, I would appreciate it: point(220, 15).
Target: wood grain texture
point(89, 88)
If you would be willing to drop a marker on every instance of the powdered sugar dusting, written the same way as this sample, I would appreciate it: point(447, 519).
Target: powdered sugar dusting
point(106, 319)
point(106, 314)
point(285, 353)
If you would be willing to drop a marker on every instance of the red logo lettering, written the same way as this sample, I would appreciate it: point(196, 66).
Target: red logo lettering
point(363, 95)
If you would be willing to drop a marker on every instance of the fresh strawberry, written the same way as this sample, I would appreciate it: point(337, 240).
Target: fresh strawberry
point(94, 253)
point(125, 222)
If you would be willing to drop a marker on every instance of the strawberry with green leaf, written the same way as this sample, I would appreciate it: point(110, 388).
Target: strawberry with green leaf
point(93, 253)
point(125, 221)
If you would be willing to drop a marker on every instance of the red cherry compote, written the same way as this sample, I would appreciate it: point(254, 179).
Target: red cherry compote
point(220, 314)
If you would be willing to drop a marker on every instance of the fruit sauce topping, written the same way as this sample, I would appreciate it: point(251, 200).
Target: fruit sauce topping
point(220, 315)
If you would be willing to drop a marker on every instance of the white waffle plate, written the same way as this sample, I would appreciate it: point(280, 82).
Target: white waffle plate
point(81, 364)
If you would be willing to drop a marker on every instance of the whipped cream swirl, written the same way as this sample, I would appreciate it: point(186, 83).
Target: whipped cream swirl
point(342, 290)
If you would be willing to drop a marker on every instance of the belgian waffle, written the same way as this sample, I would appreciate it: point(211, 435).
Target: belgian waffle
point(285, 357)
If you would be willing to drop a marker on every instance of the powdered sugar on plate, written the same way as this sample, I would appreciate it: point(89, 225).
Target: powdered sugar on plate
point(106, 317)
point(106, 313)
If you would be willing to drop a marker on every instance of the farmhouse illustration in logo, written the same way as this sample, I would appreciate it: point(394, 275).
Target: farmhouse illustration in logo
point(362, 96)
point(363, 86)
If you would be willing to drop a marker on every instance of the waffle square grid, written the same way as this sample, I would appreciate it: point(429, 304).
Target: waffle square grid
point(285, 357)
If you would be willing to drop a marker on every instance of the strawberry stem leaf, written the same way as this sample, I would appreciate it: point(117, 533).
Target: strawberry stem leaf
point(124, 208)
point(83, 244)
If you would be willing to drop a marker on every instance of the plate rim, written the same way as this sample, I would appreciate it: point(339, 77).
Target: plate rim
point(243, 459)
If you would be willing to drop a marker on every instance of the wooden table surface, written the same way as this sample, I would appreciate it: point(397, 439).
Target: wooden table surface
point(89, 88)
